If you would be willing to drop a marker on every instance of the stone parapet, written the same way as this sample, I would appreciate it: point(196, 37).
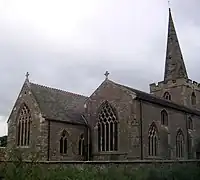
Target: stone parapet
point(106, 164)
point(172, 83)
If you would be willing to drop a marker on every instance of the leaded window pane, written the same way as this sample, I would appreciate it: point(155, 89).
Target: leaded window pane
point(107, 128)
point(153, 141)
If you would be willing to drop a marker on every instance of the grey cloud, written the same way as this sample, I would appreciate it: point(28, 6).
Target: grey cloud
point(72, 51)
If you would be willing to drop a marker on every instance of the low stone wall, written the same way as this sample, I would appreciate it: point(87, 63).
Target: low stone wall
point(108, 164)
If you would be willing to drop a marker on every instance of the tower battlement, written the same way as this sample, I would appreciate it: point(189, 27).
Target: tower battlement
point(172, 83)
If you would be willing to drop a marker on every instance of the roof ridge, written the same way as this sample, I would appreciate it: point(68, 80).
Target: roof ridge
point(159, 98)
point(58, 90)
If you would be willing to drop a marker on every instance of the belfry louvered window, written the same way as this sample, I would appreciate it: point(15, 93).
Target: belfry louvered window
point(107, 128)
point(167, 96)
point(193, 98)
point(23, 126)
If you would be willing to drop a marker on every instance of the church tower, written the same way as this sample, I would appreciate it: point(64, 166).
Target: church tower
point(176, 86)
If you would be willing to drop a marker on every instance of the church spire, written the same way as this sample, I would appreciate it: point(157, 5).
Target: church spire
point(174, 64)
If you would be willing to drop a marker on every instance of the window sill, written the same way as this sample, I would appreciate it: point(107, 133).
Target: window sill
point(110, 153)
point(23, 147)
point(153, 158)
point(63, 154)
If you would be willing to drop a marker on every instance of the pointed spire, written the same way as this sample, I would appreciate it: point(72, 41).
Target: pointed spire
point(174, 64)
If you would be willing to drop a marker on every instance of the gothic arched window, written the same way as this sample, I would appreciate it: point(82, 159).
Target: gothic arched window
point(81, 149)
point(107, 128)
point(63, 142)
point(193, 98)
point(23, 126)
point(164, 118)
point(190, 123)
point(179, 144)
point(167, 96)
point(153, 140)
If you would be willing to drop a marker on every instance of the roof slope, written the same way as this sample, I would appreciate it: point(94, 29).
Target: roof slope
point(58, 104)
point(160, 101)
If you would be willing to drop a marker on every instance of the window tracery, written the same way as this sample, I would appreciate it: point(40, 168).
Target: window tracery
point(23, 126)
point(107, 128)
point(153, 140)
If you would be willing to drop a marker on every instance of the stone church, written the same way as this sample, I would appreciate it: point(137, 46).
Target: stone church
point(116, 122)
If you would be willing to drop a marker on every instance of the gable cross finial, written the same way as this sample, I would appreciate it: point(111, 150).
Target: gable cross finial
point(106, 74)
point(27, 75)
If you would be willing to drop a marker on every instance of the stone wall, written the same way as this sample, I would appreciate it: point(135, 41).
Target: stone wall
point(108, 164)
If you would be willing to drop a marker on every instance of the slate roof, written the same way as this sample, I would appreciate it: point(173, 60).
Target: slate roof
point(59, 105)
point(160, 101)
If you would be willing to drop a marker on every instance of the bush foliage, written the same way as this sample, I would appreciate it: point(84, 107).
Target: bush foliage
point(18, 170)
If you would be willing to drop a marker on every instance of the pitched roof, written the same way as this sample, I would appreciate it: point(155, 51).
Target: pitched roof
point(59, 105)
point(160, 101)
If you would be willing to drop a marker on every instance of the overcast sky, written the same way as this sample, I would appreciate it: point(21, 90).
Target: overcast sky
point(70, 44)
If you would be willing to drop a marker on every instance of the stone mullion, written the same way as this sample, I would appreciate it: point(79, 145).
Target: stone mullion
point(25, 132)
point(101, 136)
point(108, 136)
point(29, 129)
point(24, 125)
point(111, 137)
point(21, 132)
point(104, 136)
point(18, 132)
point(27, 122)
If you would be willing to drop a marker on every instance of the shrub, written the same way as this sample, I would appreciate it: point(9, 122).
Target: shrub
point(18, 170)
